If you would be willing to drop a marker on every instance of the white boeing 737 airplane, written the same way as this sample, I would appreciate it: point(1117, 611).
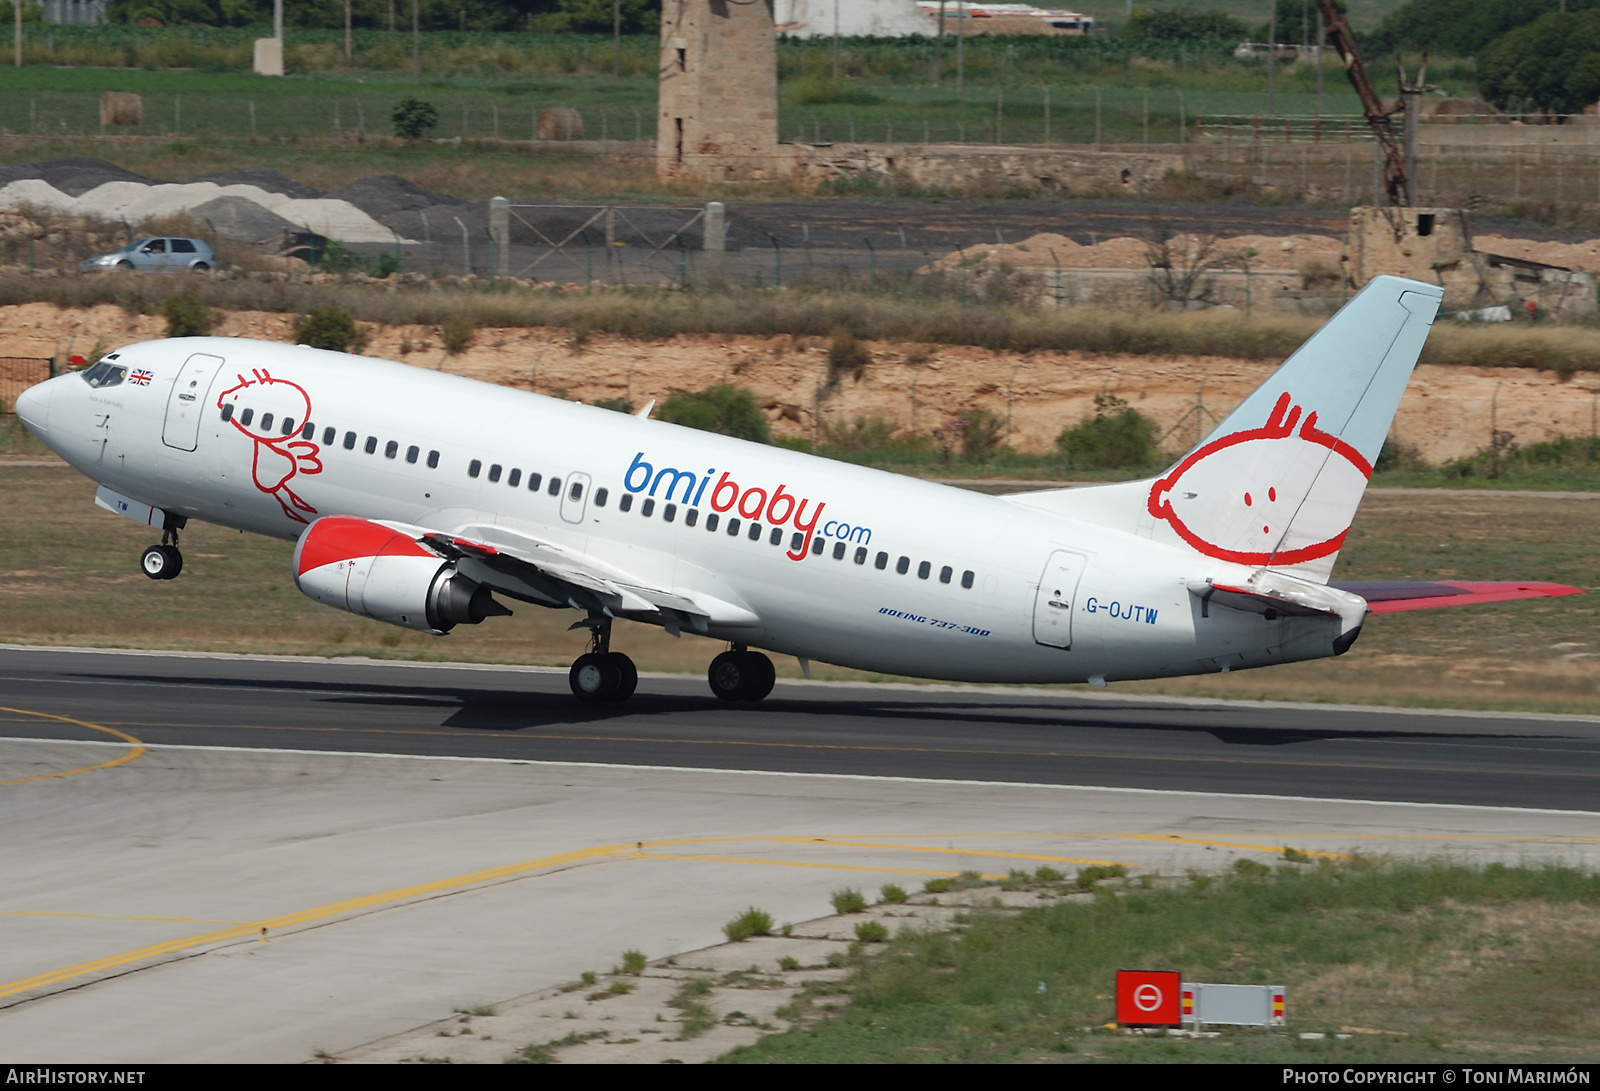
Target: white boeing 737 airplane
point(417, 498)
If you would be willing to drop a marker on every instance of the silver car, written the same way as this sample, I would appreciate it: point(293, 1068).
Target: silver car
point(158, 255)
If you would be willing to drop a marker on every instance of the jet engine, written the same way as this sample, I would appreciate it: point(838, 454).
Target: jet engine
point(385, 573)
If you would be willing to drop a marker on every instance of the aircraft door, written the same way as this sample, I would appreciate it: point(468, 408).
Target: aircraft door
point(187, 401)
point(574, 497)
point(1057, 599)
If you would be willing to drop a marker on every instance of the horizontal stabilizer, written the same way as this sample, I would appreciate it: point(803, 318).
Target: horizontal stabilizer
point(1392, 598)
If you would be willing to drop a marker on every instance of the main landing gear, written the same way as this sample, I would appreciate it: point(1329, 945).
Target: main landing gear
point(600, 675)
point(741, 675)
point(163, 562)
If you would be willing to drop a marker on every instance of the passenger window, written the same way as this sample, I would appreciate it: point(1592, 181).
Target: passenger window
point(796, 540)
point(494, 473)
point(733, 528)
point(266, 422)
point(691, 517)
point(391, 449)
point(881, 561)
point(349, 441)
point(669, 513)
point(755, 532)
point(600, 496)
point(711, 521)
point(329, 435)
point(817, 546)
point(433, 460)
point(182, 246)
point(776, 537)
point(535, 480)
point(372, 445)
point(626, 503)
point(227, 412)
point(647, 508)
point(246, 416)
point(576, 492)
point(514, 478)
point(555, 486)
point(474, 468)
point(308, 431)
point(861, 554)
point(287, 427)
point(903, 565)
point(838, 551)
point(945, 573)
point(923, 569)
point(966, 579)
point(411, 454)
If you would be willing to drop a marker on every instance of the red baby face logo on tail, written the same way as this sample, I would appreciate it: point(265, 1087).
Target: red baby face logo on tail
point(1237, 497)
point(276, 409)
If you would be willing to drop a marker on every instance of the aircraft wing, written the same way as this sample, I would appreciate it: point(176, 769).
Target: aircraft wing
point(1394, 597)
point(537, 571)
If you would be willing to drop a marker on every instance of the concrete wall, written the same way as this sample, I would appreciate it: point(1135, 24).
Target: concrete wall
point(718, 101)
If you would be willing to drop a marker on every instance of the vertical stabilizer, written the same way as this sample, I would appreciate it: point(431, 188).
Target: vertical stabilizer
point(1277, 483)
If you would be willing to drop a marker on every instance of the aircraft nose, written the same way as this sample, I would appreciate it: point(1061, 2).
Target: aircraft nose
point(33, 407)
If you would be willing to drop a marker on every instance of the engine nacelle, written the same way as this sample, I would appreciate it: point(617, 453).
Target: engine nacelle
point(383, 573)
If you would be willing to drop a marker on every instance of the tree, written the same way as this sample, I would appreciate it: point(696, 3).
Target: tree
point(723, 408)
point(1163, 25)
point(1551, 65)
point(1462, 28)
point(414, 119)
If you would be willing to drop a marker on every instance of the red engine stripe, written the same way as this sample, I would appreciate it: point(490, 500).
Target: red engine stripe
point(336, 538)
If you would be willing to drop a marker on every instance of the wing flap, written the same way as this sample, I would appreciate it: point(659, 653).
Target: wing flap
point(1397, 597)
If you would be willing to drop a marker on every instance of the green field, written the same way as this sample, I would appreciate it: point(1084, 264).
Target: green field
point(1402, 963)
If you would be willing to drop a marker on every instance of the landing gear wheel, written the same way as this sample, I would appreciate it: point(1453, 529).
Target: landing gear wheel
point(627, 677)
point(595, 678)
point(161, 562)
point(741, 676)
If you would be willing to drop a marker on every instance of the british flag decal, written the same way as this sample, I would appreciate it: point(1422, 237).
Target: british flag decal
point(140, 377)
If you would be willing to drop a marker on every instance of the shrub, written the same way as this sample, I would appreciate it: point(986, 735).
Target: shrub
point(752, 922)
point(893, 894)
point(187, 316)
point(1089, 876)
point(386, 265)
point(633, 962)
point(788, 962)
point(457, 333)
point(939, 886)
point(982, 435)
point(1116, 437)
point(723, 408)
point(330, 328)
point(846, 353)
point(848, 901)
point(414, 119)
point(871, 932)
point(1047, 874)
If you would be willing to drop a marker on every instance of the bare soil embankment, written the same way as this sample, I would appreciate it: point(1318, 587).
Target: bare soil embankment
point(1447, 412)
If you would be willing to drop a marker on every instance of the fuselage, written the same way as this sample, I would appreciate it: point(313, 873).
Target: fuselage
point(831, 561)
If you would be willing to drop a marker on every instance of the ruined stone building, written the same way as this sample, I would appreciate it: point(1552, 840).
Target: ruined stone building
point(718, 106)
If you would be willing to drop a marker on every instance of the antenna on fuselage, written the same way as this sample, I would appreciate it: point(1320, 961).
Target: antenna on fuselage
point(644, 414)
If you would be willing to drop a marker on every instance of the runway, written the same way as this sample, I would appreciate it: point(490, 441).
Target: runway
point(950, 733)
point(228, 858)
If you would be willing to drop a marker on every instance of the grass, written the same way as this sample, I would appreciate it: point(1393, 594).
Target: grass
point(1414, 962)
point(752, 922)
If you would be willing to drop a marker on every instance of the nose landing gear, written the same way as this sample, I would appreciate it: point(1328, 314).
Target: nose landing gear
point(741, 675)
point(163, 562)
point(600, 675)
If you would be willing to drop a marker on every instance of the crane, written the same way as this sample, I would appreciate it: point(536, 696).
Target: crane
point(1399, 168)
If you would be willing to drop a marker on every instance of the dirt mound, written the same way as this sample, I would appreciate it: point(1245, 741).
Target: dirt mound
point(383, 195)
point(1048, 250)
point(73, 175)
point(261, 178)
point(242, 219)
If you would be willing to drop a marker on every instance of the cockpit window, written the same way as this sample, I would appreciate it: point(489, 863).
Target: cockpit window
point(104, 374)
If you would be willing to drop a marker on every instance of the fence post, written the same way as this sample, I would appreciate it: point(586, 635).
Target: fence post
point(500, 232)
point(714, 241)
